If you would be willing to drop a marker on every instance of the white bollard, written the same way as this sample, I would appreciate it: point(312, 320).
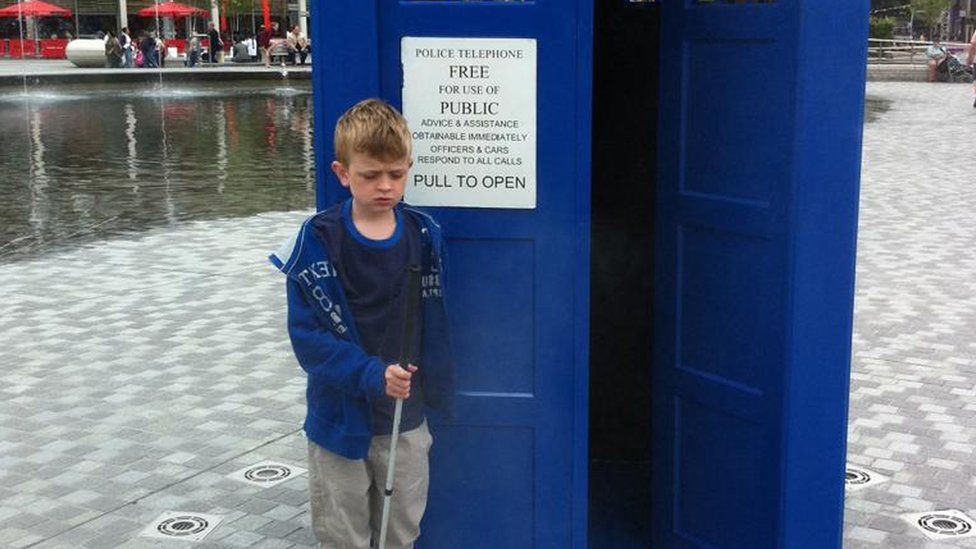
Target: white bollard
point(86, 52)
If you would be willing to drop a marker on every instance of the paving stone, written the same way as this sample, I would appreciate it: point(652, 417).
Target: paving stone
point(76, 537)
point(271, 543)
point(250, 523)
point(915, 318)
point(903, 490)
point(49, 528)
point(915, 504)
point(107, 540)
point(9, 535)
point(303, 536)
point(278, 529)
point(241, 539)
point(26, 541)
point(21, 520)
point(860, 533)
point(257, 506)
point(64, 512)
point(283, 512)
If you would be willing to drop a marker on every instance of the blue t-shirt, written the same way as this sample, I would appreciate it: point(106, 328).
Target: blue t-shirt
point(374, 278)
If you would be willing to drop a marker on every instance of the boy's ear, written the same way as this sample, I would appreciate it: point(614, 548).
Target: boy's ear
point(341, 172)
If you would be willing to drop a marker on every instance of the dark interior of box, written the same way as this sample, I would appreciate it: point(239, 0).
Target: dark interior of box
point(625, 108)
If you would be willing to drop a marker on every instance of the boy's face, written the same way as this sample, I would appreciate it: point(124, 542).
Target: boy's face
point(376, 185)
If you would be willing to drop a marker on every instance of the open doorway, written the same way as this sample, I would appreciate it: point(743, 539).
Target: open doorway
point(625, 103)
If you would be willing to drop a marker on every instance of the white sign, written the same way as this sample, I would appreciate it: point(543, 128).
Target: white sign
point(471, 106)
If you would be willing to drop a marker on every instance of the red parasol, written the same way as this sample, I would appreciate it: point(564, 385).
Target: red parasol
point(34, 8)
point(172, 9)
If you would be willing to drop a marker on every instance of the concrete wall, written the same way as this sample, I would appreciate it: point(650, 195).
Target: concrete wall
point(896, 73)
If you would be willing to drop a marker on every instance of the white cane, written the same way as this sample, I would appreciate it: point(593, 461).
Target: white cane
point(410, 312)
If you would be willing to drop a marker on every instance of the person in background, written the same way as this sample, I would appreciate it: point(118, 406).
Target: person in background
point(140, 60)
point(113, 51)
point(160, 52)
point(147, 47)
point(216, 44)
point(935, 53)
point(297, 45)
point(241, 54)
point(128, 49)
point(264, 42)
point(252, 47)
point(193, 51)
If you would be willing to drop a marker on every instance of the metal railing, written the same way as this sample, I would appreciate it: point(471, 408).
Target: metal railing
point(907, 51)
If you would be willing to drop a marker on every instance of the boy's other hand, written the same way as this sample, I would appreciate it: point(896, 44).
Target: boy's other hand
point(398, 380)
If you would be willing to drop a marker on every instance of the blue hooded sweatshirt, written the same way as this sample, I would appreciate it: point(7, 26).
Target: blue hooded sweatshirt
point(342, 378)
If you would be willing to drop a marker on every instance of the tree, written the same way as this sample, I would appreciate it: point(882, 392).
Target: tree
point(928, 13)
point(239, 13)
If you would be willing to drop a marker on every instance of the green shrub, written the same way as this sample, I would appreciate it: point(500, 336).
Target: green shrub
point(882, 27)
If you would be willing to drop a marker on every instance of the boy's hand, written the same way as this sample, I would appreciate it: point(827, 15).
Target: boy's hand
point(398, 380)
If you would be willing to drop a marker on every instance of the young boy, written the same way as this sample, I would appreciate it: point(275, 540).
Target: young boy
point(346, 272)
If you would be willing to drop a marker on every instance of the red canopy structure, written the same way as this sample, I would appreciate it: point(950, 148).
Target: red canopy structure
point(172, 9)
point(34, 8)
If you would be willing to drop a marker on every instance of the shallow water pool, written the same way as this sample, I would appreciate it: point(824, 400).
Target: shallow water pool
point(85, 163)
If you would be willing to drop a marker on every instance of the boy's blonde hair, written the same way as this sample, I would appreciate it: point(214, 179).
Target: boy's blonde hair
point(372, 127)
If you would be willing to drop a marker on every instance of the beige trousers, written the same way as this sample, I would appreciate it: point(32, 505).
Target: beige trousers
point(346, 495)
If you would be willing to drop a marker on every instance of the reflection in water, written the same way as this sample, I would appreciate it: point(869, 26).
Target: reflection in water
point(84, 164)
point(167, 111)
point(301, 124)
point(37, 180)
point(40, 174)
point(270, 127)
point(220, 120)
point(130, 137)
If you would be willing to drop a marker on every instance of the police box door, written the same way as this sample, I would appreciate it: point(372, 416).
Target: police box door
point(510, 470)
point(755, 230)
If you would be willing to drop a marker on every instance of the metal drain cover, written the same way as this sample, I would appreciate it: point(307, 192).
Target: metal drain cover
point(266, 474)
point(942, 525)
point(857, 478)
point(180, 525)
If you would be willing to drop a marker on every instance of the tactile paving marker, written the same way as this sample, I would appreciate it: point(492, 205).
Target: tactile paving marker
point(858, 478)
point(182, 525)
point(948, 524)
point(266, 474)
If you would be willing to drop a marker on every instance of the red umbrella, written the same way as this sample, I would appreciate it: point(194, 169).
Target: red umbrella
point(34, 8)
point(172, 9)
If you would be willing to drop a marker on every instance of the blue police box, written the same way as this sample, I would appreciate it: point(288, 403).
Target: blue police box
point(653, 337)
